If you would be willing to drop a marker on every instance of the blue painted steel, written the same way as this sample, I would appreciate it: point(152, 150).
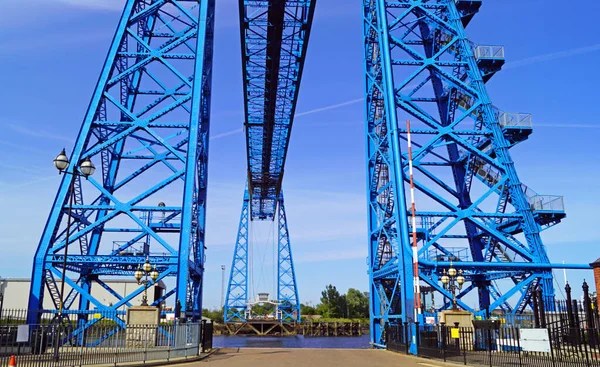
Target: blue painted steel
point(287, 289)
point(274, 37)
point(237, 297)
point(237, 291)
point(421, 66)
point(147, 129)
point(386, 204)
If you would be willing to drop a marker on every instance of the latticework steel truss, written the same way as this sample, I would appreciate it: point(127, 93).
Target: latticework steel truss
point(274, 37)
point(421, 66)
point(147, 128)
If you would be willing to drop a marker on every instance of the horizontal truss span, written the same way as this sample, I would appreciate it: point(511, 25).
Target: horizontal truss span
point(274, 42)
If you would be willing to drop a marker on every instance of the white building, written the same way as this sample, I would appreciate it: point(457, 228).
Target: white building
point(16, 293)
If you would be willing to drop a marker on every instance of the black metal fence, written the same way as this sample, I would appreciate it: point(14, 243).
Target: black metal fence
point(496, 345)
point(52, 345)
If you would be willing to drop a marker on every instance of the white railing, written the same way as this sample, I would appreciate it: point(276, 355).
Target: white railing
point(488, 52)
point(547, 203)
point(507, 119)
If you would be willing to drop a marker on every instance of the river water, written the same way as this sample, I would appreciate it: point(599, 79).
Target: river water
point(299, 341)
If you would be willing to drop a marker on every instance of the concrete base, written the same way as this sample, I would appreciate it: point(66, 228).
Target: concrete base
point(450, 317)
point(142, 326)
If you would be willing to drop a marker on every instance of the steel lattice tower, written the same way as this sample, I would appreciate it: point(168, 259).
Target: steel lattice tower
point(147, 127)
point(274, 37)
point(472, 209)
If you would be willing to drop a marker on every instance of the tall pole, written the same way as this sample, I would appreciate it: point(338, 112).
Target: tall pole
point(64, 272)
point(415, 253)
point(68, 233)
point(222, 285)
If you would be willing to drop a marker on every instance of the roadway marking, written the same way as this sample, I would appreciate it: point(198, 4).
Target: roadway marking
point(428, 364)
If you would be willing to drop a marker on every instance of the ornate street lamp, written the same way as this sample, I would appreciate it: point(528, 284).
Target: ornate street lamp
point(86, 168)
point(453, 281)
point(146, 270)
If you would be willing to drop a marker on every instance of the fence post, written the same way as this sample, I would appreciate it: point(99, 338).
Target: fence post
point(551, 348)
point(202, 330)
point(569, 306)
point(536, 311)
point(117, 345)
point(418, 338)
point(406, 337)
point(146, 344)
point(588, 305)
point(585, 347)
point(542, 307)
point(444, 336)
point(489, 343)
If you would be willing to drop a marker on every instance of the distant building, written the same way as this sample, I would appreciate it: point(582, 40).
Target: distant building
point(16, 293)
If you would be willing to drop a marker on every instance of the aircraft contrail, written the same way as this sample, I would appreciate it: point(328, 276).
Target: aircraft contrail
point(552, 56)
point(580, 126)
point(338, 105)
point(227, 133)
point(515, 64)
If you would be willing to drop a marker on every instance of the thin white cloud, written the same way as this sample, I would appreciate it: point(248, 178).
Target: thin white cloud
point(29, 183)
point(309, 112)
point(553, 56)
point(36, 132)
point(112, 5)
point(225, 134)
point(12, 46)
point(561, 126)
point(338, 105)
point(28, 148)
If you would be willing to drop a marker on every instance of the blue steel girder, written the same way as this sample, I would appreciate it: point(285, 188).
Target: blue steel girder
point(236, 300)
point(419, 58)
point(274, 36)
point(390, 298)
point(435, 26)
point(147, 125)
point(287, 288)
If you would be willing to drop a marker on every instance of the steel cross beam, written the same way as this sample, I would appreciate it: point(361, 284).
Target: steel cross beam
point(274, 37)
point(421, 66)
point(238, 296)
point(147, 127)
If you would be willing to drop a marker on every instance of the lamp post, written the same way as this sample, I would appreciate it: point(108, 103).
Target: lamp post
point(86, 168)
point(453, 280)
point(145, 270)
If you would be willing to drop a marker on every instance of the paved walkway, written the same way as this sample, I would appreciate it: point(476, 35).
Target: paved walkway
point(251, 357)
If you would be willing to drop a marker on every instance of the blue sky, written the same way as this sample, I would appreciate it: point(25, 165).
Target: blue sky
point(51, 53)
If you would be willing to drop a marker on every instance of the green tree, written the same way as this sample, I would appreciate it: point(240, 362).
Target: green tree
point(358, 303)
point(307, 310)
point(333, 304)
point(216, 315)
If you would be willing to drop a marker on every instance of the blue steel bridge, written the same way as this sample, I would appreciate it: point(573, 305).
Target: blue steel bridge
point(147, 129)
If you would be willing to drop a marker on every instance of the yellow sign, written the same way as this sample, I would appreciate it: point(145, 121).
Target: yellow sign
point(97, 316)
point(454, 333)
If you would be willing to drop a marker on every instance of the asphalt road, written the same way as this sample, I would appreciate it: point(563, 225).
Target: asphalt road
point(250, 357)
